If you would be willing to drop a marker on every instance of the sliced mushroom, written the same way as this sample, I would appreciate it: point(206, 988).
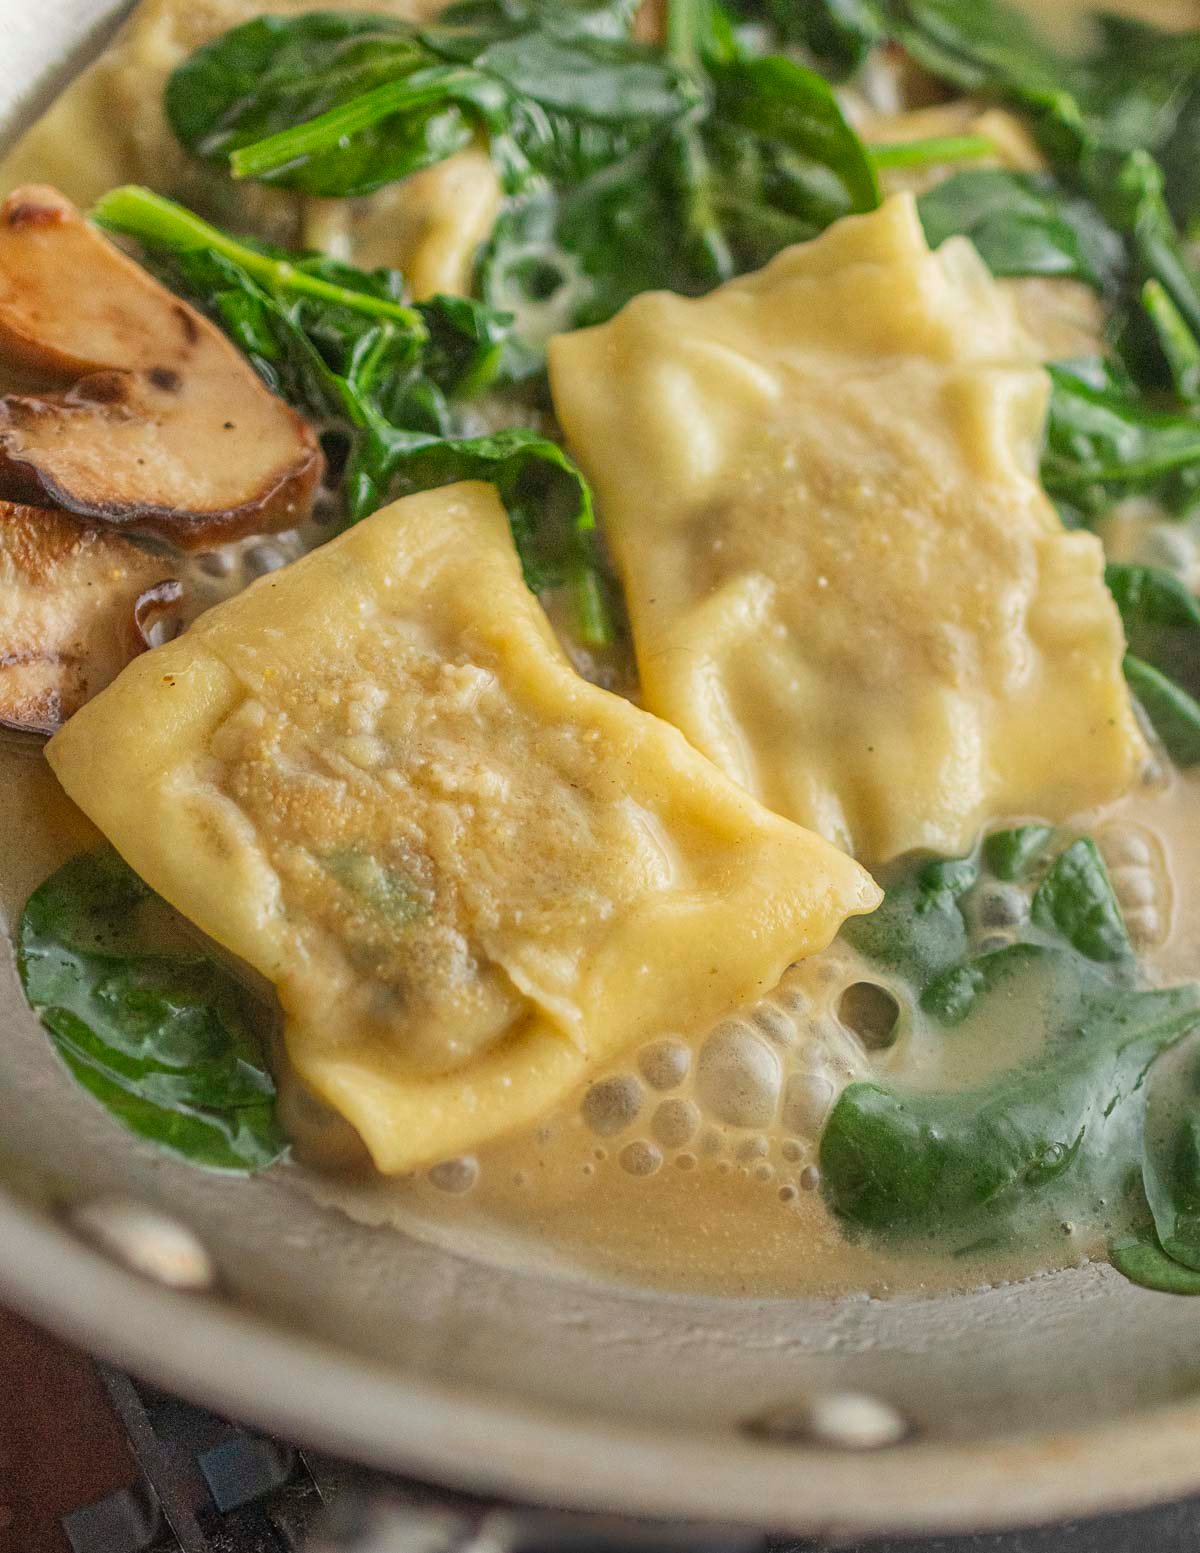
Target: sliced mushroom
point(76, 604)
point(155, 423)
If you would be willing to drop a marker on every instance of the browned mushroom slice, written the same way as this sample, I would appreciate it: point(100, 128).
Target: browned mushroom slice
point(76, 604)
point(155, 422)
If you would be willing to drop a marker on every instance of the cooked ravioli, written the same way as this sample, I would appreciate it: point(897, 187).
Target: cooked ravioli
point(846, 585)
point(469, 873)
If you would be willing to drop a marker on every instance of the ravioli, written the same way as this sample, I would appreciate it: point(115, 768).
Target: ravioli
point(469, 873)
point(847, 587)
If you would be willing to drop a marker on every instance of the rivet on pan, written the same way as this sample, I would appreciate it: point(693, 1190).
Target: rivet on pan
point(146, 1241)
point(847, 1420)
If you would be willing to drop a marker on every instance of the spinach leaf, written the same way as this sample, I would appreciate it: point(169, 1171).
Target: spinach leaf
point(996, 1157)
point(1105, 443)
point(1180, 165)
point(1137, 86)
point(1058, 1136)
point(274, 72)
point(1025, 224)
point(1129, 88)
point(1075, 902)
point(1173, 713)
point(340, 104)
point(386, 378)
point(1171, 1159)
point(923, 928)
point(770, 161)
point(837, 34)
point(918, 930)
point(1179, 346)
point(161, 1034)
point(1162, 626)
point(1140, 1258)
point(630, 167)
point(1009, 854)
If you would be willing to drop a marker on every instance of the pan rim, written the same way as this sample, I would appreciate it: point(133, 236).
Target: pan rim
point(223, 1356)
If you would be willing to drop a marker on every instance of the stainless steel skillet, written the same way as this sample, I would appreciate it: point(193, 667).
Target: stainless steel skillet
point(1070, 1393)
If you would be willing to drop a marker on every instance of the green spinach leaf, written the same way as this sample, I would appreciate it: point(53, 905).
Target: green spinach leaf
point(770, 161)
point(1075, 902)
point(1140, 1258)
point(919, 929)
point(1025, 224)
point(1105, 443)
point(1162, 626)
point(340, 104)
point(160, 1033)
point(1173, 713)
point(1062, 1133)
point(1171, 1160)
point(838, 34)
point(1001, 1156)
point(1010, 854)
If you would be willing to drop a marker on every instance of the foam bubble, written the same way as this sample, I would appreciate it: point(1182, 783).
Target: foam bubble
point(612, 1104)
point(675, 1122)
point(807, 1102)
point(455, 1175)
point(738, 1077)
point(640, 1158)
point(665, 1064)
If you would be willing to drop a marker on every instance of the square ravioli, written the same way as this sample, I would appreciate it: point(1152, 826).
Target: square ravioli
point(846, 585)
point(470, 874)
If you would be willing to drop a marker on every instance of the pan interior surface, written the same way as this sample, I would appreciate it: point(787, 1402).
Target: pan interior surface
point(1066, 1392)
point(473, 1365)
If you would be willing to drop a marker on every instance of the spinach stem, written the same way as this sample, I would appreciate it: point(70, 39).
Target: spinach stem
point(683, 47)
point(140, 213)
point(593, 621)
point(932, 150)
point(1179, 345)
point(420, 89)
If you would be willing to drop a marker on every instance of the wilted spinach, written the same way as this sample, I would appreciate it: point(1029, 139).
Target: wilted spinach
point(1062, 1132)
point(629, 166)
point(922, 930)
point(336, 103)
point(1161, 617)
point(158, 1031)
point(1106, 440)
point(1171, 1162)
point(772, 162)
point(1025, 224)
point(384, 376)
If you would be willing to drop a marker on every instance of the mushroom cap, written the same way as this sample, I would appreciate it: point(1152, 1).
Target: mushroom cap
point(152, 421)
point(77, 603)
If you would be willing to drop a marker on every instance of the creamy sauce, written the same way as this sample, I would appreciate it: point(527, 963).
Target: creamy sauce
point(737, 1210)
point(658, 1189)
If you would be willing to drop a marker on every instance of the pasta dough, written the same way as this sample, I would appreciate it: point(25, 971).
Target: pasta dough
point(470, 874)
point(846, 585)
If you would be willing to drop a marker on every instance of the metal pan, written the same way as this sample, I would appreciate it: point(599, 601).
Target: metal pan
point(1075, 1392)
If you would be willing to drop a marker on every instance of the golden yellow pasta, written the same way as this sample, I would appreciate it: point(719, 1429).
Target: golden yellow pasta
point(469, 873)
point(847, 586)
